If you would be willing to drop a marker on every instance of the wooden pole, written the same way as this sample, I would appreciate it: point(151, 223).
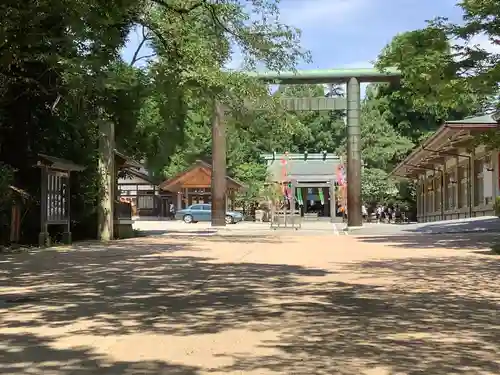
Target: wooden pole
point(43, 237)
point(218, 182)
point(107, 178)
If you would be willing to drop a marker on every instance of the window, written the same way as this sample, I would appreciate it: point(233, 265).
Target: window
point(206, 207)
point(145, 202)
point(196, 207)
point(478, 182)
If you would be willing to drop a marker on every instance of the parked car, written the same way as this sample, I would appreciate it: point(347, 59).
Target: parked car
point(203, 212)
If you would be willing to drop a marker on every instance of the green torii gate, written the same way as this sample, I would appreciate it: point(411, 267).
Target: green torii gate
point(352, 78)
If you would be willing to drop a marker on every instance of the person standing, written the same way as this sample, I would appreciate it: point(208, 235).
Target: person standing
point(171, 211)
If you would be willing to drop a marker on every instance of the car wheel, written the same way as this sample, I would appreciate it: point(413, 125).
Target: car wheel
point(229, 219)
point(188, 219)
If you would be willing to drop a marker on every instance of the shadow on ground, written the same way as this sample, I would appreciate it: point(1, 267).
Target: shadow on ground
point(438, 316)
point(30, 354)
point(412, 316)
point(482, 242)
point(212, 236)
point(490, 224)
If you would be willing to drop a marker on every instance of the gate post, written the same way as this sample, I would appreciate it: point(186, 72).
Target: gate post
point(354, 218)
point(333, 202)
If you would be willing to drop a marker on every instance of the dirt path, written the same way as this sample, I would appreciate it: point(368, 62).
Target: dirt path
point(250, 305)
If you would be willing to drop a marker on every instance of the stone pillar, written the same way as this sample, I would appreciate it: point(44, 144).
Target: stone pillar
point(333, 201)
point(218, 167)
point(179, 201)
point(354, 217)
point(106, 167)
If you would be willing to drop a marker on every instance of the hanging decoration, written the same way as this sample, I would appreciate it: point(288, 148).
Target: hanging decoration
point(299, 197)
point(321, 196)
point(342, 182)
point(284, 175)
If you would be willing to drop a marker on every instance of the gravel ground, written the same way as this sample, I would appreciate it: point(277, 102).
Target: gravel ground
point(257, 304)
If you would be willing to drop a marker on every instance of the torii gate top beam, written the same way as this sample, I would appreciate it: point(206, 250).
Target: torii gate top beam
point(328, 76)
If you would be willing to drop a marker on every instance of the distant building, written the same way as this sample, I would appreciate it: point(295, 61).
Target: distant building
point(193, 186)
point(456, 178)
point(148, 199)
point(315, 175)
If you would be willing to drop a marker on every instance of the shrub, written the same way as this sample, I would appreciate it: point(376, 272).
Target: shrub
point(6, 179)
point(497, 206)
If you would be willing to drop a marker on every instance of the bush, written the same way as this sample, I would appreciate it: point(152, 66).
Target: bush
point(497, 206)
point(6, 179)
point(496, 249)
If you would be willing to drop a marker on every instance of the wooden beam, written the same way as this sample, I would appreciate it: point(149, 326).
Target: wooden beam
point(309, 104)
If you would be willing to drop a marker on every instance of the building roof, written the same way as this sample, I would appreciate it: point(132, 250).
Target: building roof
point(173, 183)
point(58, 164)
point(140, 174)
point(443, 138)
point(477, 120)
point(20, 192)
point(328, 75)
point(303, 167)
point(123, 161)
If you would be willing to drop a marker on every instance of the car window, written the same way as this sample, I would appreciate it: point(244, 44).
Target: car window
point(196, 207)
point(206, 207)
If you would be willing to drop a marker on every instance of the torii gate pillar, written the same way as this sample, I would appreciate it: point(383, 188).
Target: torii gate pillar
point(353, 78)
point(354, 215)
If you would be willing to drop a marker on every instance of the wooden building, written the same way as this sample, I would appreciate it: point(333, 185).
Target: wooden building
point(314, 177)
point(143, 191)
point(193, 186)
point(456, 177)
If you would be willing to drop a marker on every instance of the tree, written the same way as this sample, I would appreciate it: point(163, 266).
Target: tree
point(431, 91)
point(319, 130)
point(254, 175)
point(479, 68)
point(61, 74)
point(430, 84)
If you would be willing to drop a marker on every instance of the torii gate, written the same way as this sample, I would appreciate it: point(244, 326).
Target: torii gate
point(352, 78)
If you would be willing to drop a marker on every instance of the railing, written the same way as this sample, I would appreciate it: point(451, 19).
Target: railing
point(311, 216)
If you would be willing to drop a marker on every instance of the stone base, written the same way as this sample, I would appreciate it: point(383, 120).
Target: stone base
point(353, 228)
point(44, 239)
point(124, 230)
point(66, 238)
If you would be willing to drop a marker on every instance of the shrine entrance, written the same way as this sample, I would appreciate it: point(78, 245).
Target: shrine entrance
point(312, 181)
point(351, 104)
